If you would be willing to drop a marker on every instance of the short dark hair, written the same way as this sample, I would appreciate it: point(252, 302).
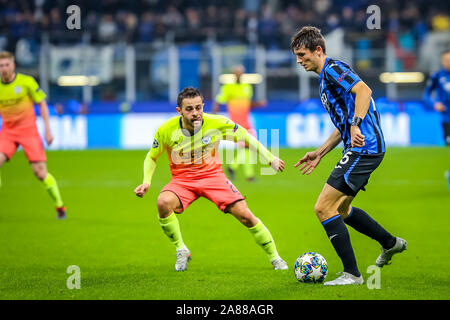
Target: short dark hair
point(308, 37)
point(189, 92)
point(445, 52)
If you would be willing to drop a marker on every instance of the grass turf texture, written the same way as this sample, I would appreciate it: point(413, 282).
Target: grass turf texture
point(115, 238)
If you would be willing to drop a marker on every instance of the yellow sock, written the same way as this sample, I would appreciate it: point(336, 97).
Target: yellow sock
point(264, 239)
point(171, 228)
point(53, 190)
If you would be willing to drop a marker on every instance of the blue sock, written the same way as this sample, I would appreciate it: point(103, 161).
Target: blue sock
point(363, 223)
point(340, 239)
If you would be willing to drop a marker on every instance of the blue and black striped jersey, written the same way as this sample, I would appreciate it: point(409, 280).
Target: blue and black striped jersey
point(336, 80)
point(439, 82)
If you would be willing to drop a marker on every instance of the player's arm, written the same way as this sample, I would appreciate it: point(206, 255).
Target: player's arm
point(236, 133)
point(255, 104)
point(46, 118)
point(431, 86)
point(363, 94)
point(311, 159)
point(221, 98)
point(265, 155)
point(38, 96)
point(345, 77)
point(150, 166)
point(149, 169)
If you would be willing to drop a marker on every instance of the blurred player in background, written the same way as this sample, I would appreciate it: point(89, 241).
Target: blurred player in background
point(348, 101)
point(18, 93)
point(191, 141)
point(238, 98)
point(440, 82)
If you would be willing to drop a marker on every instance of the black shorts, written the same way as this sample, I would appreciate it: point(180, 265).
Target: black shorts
point(352, 172)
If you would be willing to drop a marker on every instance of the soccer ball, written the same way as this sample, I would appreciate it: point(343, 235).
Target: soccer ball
point(311, 267)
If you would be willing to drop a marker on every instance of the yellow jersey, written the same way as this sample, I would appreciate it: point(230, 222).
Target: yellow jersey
point(238, 97)
point(197, 156)
point(17, 99)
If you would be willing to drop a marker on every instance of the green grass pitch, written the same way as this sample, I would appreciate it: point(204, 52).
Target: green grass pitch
point(115, 238)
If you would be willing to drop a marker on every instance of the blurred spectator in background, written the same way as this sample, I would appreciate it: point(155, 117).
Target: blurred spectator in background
point(347, 21)
point(268, 28)
point(193, 25)
point(173, 19)
point(225, 24)
point(410, 28)
point(252, 27)
point(197, 20)
point(441, 22)
point(211, 21)
point(58, 108)
point(75, 107)
point(146, 26)
point(130, 25)
point(240, 24)
point(70, 107)
point(107, 29)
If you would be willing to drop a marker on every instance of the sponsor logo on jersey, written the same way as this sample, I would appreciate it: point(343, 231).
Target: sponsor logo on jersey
point(342, 76)
point(17, 89)
point(206, 139)
point(325, 102)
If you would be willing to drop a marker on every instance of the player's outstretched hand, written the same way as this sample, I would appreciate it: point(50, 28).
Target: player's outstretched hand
point(309, 162)
point(48, 137)
point(141, 190)
point(277, 164)
point(357, 138)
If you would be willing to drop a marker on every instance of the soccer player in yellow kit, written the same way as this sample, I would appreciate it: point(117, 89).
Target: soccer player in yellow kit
point(191, 141)
point(18, 93)
point(238, 97)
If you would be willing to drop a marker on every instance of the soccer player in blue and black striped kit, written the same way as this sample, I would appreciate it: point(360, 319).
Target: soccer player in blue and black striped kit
point(440, 83)
point(352, 110)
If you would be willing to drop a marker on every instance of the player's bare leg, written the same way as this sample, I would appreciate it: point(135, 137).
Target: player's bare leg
point(260, 233)
point(345, 207)
point(328, 203)
point(40, 171)
point(326, 209)
point(167, 203)
point(3, 159)
point(240, 211)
